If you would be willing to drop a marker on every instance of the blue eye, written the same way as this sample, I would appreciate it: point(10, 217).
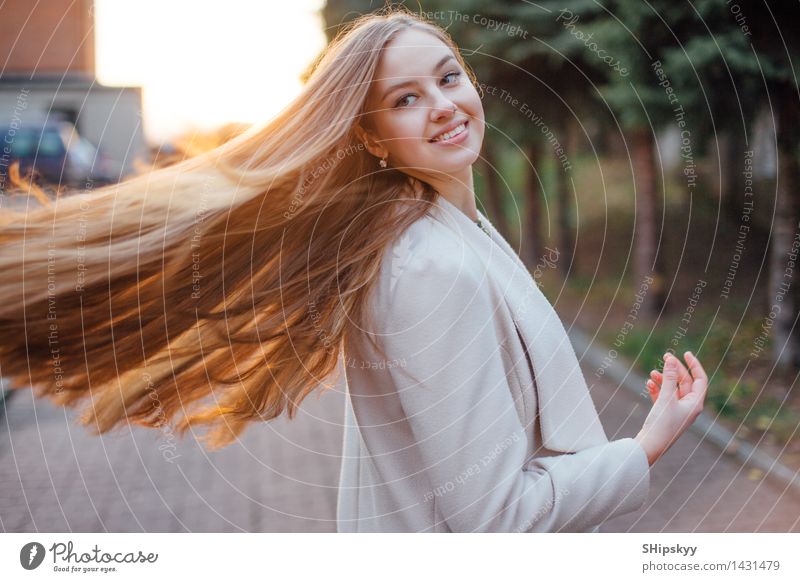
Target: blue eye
point(454, 74)
point(401, 99)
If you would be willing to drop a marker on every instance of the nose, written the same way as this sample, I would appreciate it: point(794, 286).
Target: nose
point(442, 108)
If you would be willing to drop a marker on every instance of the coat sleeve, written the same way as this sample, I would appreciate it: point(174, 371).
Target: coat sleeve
point(455, 396)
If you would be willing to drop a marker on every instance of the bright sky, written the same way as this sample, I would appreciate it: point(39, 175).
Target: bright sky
point(201, 63)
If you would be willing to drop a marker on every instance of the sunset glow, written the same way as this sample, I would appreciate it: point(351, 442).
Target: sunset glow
point(202, 64)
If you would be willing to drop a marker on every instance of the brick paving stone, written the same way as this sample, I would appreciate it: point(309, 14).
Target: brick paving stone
point(282, 476)
point(694, 487)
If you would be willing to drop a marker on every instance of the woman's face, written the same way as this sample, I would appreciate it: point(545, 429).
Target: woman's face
point(420, 92)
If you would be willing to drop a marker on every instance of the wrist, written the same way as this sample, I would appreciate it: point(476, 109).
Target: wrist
point(642, 440)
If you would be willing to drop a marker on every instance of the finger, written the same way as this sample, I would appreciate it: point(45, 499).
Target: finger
point(655, 380)
point(684, 378)
point(657, 377)
point(669, 384)
point(700, 382)
point(695, 366)
point(653, 389)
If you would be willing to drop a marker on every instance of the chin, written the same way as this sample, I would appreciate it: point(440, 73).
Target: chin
point(458, 163)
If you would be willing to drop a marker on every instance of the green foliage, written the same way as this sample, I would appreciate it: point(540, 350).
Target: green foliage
point(745, 401)
point(721, 69)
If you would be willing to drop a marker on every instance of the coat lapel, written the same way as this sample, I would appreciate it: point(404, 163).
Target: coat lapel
point(567, 415)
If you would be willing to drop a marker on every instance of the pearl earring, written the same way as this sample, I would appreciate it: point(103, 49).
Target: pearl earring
point(382, 163)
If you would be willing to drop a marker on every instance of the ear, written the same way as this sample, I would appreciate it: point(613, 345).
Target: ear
point(370, 142)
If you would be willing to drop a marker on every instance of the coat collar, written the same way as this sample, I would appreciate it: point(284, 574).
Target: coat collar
point(567, 415)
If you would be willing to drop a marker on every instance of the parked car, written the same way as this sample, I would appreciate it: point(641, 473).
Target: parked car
point(58, 153)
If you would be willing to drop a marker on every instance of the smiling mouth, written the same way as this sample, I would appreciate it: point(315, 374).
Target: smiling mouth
point(450, 134)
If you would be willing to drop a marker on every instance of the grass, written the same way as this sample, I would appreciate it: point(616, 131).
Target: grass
point(698, 241)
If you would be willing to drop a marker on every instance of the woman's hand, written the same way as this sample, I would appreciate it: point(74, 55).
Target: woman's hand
point(678, 397)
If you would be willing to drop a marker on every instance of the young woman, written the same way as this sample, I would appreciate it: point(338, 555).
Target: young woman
point(343, 236)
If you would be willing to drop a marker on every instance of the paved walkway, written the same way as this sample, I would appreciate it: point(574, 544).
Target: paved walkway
point(694, 487)
point(57, 477)
point(282, 477)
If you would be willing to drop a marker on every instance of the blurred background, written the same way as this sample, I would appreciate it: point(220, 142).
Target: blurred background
point(642, 157)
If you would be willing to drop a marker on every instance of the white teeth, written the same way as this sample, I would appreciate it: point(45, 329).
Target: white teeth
point(451, 133)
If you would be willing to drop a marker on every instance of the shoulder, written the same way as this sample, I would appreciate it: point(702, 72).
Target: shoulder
point(426, 265)
point(427, 251)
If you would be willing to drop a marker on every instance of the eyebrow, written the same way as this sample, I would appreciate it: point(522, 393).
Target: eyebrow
point(406, 83)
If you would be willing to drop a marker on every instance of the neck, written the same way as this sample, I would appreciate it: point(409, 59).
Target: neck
point(459, 190)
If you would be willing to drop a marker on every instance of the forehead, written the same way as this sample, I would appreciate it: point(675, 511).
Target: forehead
point(411, 53)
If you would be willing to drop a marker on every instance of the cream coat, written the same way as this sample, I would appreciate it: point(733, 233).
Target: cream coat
point(450, 433)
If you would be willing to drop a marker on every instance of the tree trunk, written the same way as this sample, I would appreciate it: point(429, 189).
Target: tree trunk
point(783, 283)
point(530, 231)
point(731, 159)
point(494, 190)
point(645, 227)
point(564, 194)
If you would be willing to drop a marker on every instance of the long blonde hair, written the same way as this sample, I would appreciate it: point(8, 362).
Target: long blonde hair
point(233, 275)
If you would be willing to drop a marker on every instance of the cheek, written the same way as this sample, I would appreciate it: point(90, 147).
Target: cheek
point(409, 128)
point(476, 106)
point(405, 131)
point(478, 117)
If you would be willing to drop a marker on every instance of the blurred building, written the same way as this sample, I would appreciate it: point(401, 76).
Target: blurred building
point(48, 52)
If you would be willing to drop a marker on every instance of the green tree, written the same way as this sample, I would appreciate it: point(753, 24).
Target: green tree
point(737, 58)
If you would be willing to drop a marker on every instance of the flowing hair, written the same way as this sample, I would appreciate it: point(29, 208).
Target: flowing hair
point(223, 286)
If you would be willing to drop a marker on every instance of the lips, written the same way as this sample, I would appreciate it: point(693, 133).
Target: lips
point(449, 129)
